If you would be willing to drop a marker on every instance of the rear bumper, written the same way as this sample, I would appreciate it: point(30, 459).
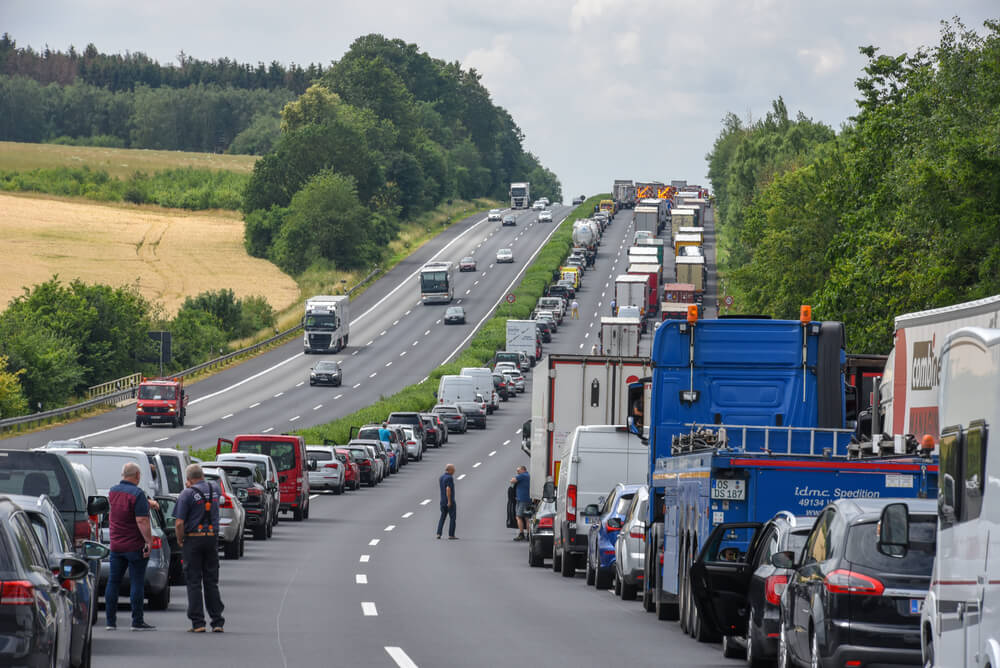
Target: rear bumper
point(872, 656)
point(255, 517)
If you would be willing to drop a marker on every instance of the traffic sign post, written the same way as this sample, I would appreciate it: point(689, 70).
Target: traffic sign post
point(511, 298)
point(728, 301)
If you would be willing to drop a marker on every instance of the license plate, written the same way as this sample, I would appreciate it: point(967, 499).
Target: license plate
point(587, 519)
point(916, 605)
point(729, 490)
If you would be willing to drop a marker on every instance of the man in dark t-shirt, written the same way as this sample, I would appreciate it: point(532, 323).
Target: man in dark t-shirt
point(196, 519)
point(131, 541)
point(521, 482)
point(447, 485)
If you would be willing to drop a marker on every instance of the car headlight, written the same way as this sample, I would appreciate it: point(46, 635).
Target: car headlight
point(312, 375)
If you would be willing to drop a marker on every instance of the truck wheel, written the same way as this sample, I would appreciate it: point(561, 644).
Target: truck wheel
point(297, 514)
point(556, 560)
point(173, 423)
point(305, 510)
point(568, 569)
point(180, 420)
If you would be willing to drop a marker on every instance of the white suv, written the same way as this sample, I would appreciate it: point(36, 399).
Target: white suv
point(494, 215)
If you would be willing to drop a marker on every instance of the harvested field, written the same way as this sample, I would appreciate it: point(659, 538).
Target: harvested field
point(168, 253)
point(118, 162)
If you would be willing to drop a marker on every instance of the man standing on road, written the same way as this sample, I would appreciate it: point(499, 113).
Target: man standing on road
point(447, 484)
point(576, 310)
point(197, 523)
point(521, 482)
point(614, 309)
point(131, 541)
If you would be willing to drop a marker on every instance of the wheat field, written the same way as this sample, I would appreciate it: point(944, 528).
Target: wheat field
point(168, 254)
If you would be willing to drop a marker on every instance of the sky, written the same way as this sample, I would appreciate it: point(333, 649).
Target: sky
point(602, 89)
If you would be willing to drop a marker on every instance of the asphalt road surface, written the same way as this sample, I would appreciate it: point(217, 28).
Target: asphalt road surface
point(364, 581)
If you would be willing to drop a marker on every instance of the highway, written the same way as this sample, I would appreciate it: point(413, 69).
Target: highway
point(364, 582)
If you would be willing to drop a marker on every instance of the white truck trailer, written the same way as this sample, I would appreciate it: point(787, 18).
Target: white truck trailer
point(522, 337)
point(646, 219)
point(620, 336)
point(326, 324)
point(632, 289)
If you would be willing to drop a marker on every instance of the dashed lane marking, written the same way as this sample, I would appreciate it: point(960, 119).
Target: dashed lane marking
point(197, 428)
point(361, 579)
point(161, 439)
point(267, 431)
point(415, 343)
point(408, 312)
point(227, 416)
point(300, 383)
point(365, 558)
point(293, 419)
point(254, 405)
point(368, 608)
point(369, 343)
point(317, 407)
point(508, 440)
point(407, 515)
point(399, 656)
point(477, 465)
point(388, 363)
point(468, 291)
point(278, 395)
point(425, 502)
point(461, 476)
point(354, 353)
point(437, 322)
point(492, 453)
point(355, 386)
point(390, 527)
point(402, 354)
point(338, 396)
point(313, 496)
point(373, 542)
point(395, 322)
point(382, 333)
point(373, 374)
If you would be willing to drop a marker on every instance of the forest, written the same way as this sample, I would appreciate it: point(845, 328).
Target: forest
point(897, 212)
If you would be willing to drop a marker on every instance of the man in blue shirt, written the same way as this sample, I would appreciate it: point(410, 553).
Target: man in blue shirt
point(447, 485)
point(196, 519)
point(522, 495)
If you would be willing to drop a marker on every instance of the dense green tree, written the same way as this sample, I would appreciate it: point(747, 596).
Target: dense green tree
point(12, 399)
point(196, 336)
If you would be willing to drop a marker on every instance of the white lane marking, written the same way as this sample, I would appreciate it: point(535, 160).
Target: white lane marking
point(201, 426)
point(416, 342)
point(278, 395)
point(361, 579)
point(369, 343)
point(161, 439)
point(373, 542)
point(354, 353)
point(468, 291)
point(406, 515)
point(254, 405)
point(267, 431)
point(355, 386)
point(408, 312)
point(606, 285)
point(388, 363)
point(313, 496)
point(475, 284)
point(491, 265)
point(338, 396)
point(425, 502)
point(457, 302)
point(382, 333)
point(427, 332)
point(492, 453)
point(602, 294)
point(365, 558)
point(402, 354)
point(227, 416)
point(586, 335)
point(373, 374)
point(517, 432)
point(437, 322)
point(424, 378)
point(591, 324)
point(508, 440)
point(581, 346)
point(368, 608)
point(390, 527)
point(317, 407)
point(461, 476)
point(477, 465)
point(399, 656)
point(294, 418)
point(484, 273)
point(395, 322)
point(300, 384)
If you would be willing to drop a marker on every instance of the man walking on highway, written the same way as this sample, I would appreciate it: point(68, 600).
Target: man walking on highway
point(576, 310)
point(521, 482)
point(614, 308)
point(131, 542)
point(447, 484)
point(197, 523)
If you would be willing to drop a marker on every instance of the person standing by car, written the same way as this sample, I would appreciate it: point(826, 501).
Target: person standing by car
point(614, 307)
point(447, 484)
point(576, 310)
point(197, 523)
point(521, 482)
point(131, 542)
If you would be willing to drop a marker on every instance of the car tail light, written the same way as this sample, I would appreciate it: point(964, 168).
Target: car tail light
point(545, 522)
point(157, 543)
point(17, 592)
point(411, 442)
point(366, 462)
point(332, 465)
point(68, 585)
point(637, 531)
point(81, 531)
point(226, 501)
point(774, 587)
point(571, 503)
point(843, 581)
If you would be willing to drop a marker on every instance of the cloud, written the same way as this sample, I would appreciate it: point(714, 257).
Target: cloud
point(497, 63)
point(823, 61)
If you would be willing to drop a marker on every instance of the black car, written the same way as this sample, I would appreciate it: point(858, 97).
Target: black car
point(366, 468)
point(326, 372)
point(36, 615)
point(432, 429)
point(509, 219)
point(167, 506)
point(544, 330)
point(750, 621)
point(558, 290)
point(455, 315)
point(854, 598)
point(475, 412)
point(251, 489)
point(453, 417)
point(410, 420)
point(540, 530)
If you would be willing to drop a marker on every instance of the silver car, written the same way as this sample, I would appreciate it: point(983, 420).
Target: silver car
point(414, 446)
point(328, 472)
point(232, 517)
point(630, 547)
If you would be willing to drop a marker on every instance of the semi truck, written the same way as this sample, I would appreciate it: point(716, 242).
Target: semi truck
point(585, 234)
point(623, 192)
point(691, 269)
point(520, 195)
point(620, 336)
point(326, 324)
point(569, 391)
point(631, 289)
point(746, 418)
point(522, 337)
point(161, 400)
point(646, 218)
point(652, 274)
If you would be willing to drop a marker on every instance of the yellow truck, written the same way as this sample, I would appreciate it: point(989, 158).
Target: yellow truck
point(607, 205)
point(571, 274)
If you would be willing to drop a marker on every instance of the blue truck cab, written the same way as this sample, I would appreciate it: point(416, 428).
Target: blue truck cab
point(747, 417)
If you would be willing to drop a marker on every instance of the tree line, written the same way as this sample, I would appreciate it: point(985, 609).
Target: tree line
point(58, 339)
point(388, 132)
point(898, 212)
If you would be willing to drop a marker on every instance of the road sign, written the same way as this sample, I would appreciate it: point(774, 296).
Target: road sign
point(511, 298)
point(728, 300)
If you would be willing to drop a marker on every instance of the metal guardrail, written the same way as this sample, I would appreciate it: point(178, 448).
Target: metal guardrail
point(124, 383)
point(112, 398)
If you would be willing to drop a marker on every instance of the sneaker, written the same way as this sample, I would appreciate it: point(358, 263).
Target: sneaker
point(438, 536)
point(143, 627)
point(218, 629)
point(452, 537)
point(111, 627)
point(196, 629)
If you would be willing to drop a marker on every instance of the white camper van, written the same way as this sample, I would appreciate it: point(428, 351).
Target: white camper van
point(452, 389)
point(483, 378)
point(960, 620)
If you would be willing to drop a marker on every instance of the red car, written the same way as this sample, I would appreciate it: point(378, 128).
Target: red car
point(352, 474)
point(467, 264)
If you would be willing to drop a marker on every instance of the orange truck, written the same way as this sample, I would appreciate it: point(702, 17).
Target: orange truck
point(161, 400)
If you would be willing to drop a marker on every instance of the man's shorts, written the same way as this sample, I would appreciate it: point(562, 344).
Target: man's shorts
point(524, 509)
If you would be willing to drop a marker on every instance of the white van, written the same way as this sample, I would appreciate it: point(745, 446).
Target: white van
point(960, 618)
point(171, 465)
point(452, 389)
point(483, 378)
point(105, 464)
point(595, 458)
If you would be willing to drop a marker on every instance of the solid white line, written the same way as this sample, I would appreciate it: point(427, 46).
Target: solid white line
point(365, 558)
point(294, 418)
point(161, 439)
point(406, 515)
point(492, 453)
point(461, 476)
point(361, 579)
point(254, 405)
point(368, 608)
point(508, 440)
point(399, 656)
point(390, 527)
point(373, 542)
point(425, 502)
point(267, 431)
point(201, 426)
point(313, 496)
point(317, 407)
point(477, 465)
point(226, 417)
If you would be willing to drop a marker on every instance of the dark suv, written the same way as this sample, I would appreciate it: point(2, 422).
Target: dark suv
point(741, 600)
point(435, 429)
point(251, 489)
point(852, 598)
point(410, 420)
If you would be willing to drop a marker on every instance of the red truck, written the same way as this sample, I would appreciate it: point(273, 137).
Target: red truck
point(161, 400)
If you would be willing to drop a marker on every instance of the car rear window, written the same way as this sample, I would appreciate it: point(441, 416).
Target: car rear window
point(282, 453)
point(319, 455)
point(372, 433)
point(862, 548)
point(403, 418)
point(359, 453)
point(34, 474)
point(238, 476)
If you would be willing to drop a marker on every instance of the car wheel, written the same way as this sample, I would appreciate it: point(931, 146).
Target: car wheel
point(160, 601)
point(730, 648)
point(753, 661)
point(784, 661)
point(87, 647)
point(628, 591)
point(260, 533)
point(556, 560)
point(590, 573)
point(339, 489)
point(616, 584)
point(535, 558)
point(297, 514)
point(305, 511)
point(814, 661)
point(231, 550)
point(270, 529)
point(180, 420)
point(138, 422)
point(371, 481)
point(602, 578)
point(243, 544)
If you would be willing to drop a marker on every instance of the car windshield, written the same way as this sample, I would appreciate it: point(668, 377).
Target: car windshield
point(325, 321)
point(467, 260)
point(157, 392)
point(283, 454)
point(862, 548)
point(326, 366)
point(434, 281)
point(238, 476)
point(509, 217)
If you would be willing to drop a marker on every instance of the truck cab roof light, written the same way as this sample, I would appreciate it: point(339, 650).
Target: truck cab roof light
point(805, 314)
point(692, 313)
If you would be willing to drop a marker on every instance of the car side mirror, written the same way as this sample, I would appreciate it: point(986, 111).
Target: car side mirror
point(312, 465)
point(894, 530)
point(72, 568)
point(271, 485)
point(591, 509)
point(98, 505)
point(615, 523)
point(783, 559)
point(94, 550)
